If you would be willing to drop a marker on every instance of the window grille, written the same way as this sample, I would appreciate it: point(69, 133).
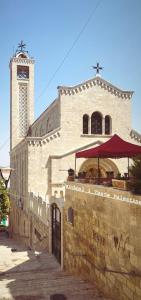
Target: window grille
point(23, 113)
point(96, 123)
point(107, 124)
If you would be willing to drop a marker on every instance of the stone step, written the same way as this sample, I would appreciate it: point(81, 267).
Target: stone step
point(28, 275)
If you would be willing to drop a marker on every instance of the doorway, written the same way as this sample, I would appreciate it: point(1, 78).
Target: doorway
point(56, 232)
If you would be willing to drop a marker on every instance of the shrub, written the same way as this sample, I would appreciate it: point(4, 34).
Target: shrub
point(4, 201)
point(135, 186)
point(135, 170)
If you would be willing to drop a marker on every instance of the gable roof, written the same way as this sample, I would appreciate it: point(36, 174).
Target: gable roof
point(96, 81)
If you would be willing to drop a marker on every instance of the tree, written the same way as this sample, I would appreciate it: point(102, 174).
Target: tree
point(136, 167)
point(4, 201)
point(135, 171)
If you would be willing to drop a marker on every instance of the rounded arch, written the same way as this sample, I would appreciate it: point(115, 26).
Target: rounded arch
point(96, 122)
point(22, 55)
point(90, 166)
point(108, 124)
point(85, 124)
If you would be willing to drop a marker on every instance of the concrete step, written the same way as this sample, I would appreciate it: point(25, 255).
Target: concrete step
point(28, 275)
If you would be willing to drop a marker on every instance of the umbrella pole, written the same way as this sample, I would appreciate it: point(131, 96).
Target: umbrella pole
point(98, 172)
point(128, 167)
point(75, 166)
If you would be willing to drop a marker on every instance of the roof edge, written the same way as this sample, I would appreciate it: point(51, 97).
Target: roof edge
point(97, 80)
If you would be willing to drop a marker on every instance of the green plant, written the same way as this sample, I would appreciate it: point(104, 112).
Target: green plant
point(135, 186)
point(4, 201)
point(135, 171)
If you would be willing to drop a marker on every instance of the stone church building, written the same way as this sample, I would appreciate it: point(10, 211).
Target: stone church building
point(42, 150)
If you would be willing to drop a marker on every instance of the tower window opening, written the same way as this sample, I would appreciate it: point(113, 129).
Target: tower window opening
point(22, 72)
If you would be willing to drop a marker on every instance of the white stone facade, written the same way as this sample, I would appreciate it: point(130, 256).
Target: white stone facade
point(42, 157)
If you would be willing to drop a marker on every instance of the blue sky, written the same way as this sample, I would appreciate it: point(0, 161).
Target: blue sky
point(111, 35)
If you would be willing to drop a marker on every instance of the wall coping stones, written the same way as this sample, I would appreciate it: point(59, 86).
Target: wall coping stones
point(96, 81)
point(102, 192)
point(135, 135)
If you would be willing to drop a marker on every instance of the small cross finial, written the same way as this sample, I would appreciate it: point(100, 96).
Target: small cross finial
point(21, 46)
point(97, 67)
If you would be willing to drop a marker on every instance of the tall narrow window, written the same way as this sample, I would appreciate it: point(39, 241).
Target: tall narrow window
point(36, 131)
point(107, 124)
point(41, 130)
point(47, 127)
point(96, 123)
point(85, 124)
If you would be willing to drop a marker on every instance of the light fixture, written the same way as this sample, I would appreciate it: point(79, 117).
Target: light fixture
point(2, 176)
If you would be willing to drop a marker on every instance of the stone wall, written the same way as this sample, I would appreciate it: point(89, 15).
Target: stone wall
point(19, 223)
point(39, 234)
point(48, 120)
point(31, 229)
point(87, 98)
point(103, 242)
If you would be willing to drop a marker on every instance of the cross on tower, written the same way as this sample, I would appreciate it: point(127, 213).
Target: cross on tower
point(21, 46)
point(97, 67)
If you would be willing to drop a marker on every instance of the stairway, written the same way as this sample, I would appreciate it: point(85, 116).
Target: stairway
point(28, 275)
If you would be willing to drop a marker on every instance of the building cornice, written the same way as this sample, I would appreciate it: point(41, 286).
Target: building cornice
point(39, 141)
point(96, 81)
point(44, 139)
point(20, 60)
point(135, 135)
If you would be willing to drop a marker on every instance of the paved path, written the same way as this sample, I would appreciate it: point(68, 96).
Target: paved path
point(27, 275)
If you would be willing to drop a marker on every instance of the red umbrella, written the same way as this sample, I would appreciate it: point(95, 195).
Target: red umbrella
point(113, 148)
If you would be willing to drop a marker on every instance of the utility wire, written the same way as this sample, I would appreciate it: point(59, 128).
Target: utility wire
point(4, 143)
point(71, 48)
point(63, 60)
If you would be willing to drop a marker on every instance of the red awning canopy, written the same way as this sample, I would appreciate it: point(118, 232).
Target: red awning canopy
point(113, 148)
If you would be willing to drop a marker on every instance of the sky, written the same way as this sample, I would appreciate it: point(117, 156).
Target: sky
point(66, 38)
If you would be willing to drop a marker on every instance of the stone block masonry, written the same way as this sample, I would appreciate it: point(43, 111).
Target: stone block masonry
point(29, 229)
point(103, 243)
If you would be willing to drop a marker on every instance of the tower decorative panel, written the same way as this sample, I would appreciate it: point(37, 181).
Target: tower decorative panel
point(23, 109)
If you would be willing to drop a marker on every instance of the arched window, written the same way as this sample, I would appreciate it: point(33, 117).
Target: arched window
point(107, 124)
point(36, 132)
point(47, 125)
point(85, 124)
point(96, 123)
point(41, 131)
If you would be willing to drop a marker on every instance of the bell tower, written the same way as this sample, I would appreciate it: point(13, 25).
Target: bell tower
point(21, 94)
